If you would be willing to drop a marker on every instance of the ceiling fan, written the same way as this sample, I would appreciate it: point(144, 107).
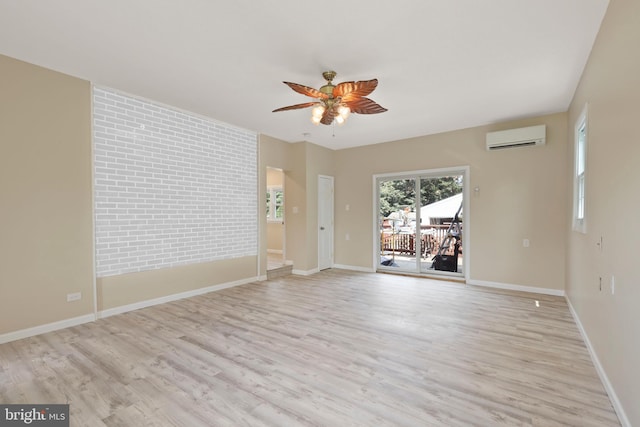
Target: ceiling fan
point(335, 102)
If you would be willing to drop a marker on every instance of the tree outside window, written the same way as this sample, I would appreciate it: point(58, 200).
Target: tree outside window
point(275, 204)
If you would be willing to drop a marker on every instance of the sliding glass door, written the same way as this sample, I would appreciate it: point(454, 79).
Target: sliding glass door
point(420, 222)
point(397, 219)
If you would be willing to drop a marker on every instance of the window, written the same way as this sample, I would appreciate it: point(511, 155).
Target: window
point(579, 189)
point(275, 204)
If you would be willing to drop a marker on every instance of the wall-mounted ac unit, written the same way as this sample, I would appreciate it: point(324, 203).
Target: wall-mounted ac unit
point(532, 135)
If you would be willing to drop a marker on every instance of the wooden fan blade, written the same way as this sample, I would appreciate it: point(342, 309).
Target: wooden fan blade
point(306, 90)
point(296, 107)
point(350, 90)
point(364, 105)
point(328, 116)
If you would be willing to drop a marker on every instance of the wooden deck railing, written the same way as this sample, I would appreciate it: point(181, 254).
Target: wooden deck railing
point(404, 243)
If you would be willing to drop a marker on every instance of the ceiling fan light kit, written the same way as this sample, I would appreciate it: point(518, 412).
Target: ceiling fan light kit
point(336, 102)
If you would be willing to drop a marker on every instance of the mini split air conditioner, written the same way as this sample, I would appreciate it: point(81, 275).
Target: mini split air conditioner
point(532, 135)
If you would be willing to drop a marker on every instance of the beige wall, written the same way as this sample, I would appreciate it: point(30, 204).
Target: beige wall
point(306, 162)
point(275, 237)
point(295, 187)
point(46, 212)
point(522, 195)
point(46, 237)
point(275, 178)
point(320, 161)
point(611, 86)
point(301, 163)
point(125, 289)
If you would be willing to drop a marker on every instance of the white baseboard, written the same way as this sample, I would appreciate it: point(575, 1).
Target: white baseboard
point(622, 415)
point(262, 278)
point(67, 323)
point(305, 272)
point(520, 288)
point(354, 268)
point(174, 297)
point(43, 329)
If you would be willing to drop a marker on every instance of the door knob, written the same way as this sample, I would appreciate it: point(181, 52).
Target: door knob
point(321, 228)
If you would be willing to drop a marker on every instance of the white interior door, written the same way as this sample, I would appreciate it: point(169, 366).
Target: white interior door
point(325, 222)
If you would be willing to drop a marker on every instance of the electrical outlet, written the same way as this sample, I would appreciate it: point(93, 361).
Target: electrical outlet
point(525, 243)
point(74, 296)
point(613, 285)
point(600, 283)
point(347, 237)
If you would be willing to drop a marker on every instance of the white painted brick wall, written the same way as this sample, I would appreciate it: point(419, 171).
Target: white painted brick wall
point(170, 188)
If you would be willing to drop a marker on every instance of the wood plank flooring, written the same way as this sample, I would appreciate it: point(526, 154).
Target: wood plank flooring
point(337, 348)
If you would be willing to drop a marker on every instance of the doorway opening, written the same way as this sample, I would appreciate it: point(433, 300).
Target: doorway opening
point(276, 255)
point(420, 227)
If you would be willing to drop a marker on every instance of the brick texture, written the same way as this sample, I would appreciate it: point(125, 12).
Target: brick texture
point(171, 188)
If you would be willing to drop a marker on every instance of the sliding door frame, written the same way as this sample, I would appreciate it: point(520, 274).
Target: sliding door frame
point(439, 172)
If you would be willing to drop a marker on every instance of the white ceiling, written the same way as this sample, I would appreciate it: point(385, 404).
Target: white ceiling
point(441, 64)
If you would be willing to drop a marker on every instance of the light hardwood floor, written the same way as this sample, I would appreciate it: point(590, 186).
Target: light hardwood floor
point(334, 349)
point(274, 261)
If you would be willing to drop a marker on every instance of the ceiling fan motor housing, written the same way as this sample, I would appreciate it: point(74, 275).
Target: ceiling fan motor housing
point(328, 88)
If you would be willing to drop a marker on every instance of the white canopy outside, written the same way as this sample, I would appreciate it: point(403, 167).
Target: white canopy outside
point(445, 208)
